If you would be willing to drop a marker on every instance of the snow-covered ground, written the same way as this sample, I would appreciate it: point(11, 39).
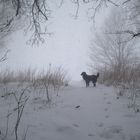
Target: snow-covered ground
point(78, 113)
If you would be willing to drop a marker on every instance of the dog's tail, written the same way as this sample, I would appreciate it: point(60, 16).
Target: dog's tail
point(97, 75)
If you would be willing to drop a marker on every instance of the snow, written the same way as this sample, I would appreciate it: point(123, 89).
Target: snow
point(99, 115)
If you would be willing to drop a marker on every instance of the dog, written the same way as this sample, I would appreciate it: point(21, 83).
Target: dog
point(90, 78)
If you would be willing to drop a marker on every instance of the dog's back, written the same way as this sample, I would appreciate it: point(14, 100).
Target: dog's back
point(94, 77)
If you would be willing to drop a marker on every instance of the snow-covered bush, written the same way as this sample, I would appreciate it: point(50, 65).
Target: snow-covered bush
point(116, 54)
point(53, 78)
point(16, 99)
point(26, 75)
point(43, 81)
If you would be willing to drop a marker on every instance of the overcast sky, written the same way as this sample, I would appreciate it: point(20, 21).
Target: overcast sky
point(67, 47)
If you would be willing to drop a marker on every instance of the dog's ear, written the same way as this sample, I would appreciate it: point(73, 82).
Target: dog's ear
point(82, 73)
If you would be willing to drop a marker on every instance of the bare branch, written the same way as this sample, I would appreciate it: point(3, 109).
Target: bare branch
point(126, 2)
point(110, 1)
point(61, 2)
point(88, 1)
point(35, 12)
point(36, 2)
point(133, 34)
point(77, 9)
point(6, 25)
point(18, 7)
point(4, 56)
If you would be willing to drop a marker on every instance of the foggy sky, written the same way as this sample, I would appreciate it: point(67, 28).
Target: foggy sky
point(68, 46)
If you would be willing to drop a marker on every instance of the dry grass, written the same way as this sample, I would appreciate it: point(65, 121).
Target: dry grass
point(54, 76)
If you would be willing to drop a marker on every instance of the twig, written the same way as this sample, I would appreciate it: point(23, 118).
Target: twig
point(4, 57)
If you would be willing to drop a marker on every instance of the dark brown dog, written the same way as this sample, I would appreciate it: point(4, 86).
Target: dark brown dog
point(90, 78)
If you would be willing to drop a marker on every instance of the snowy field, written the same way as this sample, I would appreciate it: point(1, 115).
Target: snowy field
point(77, 113)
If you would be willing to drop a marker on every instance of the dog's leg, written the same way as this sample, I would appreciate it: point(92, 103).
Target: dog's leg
point(94, 84)
point(87, 84)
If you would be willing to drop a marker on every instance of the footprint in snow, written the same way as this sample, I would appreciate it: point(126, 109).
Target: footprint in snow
point(116, 129)
point(130, 115)
point(106, 134)
point(66, 129)
point(109, 103)
point(135, 137)
point(107, 116)
point(106, 109)
point(75, 125)
point(91, 135)
point(111, 132)
point(100, 124)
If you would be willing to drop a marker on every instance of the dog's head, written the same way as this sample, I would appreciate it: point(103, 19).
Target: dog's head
point(83, 73)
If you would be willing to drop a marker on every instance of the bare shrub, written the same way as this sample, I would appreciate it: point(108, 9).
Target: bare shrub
point(7, 75)
point(43, 81)
point(117, 57)
point(59, 78)
point(20, 96)
point(27, 75)
point(114, 53)
point(133, 83)
point(53, 78)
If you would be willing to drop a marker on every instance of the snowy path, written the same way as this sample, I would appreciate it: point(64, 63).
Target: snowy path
point(100, 116)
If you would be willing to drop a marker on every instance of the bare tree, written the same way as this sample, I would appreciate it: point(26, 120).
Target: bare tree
point(113, 51)
point(133, 9)
point(14, 12)
point(116, 55)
